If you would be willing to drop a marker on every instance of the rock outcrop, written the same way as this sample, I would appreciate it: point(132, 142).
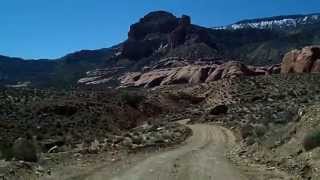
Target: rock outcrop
point(161, 31)
point(154, 22)
point(306, 60)
point(100, 76)
point(188, 74)
point(178, 35)
point(147, 35)
point(192, 74)
point(230, 70)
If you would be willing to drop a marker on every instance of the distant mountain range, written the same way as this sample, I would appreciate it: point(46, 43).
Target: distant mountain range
point(160, 35)
point(277, 22)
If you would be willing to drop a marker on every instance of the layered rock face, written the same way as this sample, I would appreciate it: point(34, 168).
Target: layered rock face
point(192, 74)
point(148, 34)
point(178, 35)
point(154, 22)
point(306, 60)
point(162, 30)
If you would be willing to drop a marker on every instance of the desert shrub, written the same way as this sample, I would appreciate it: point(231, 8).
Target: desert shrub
point(63, 110)
point(260, 130)
point(132, 99)
point(312, 140)
point(182, 96)
point(5, 151)
point(25, 149)
point(246, 131)
point(218, 110)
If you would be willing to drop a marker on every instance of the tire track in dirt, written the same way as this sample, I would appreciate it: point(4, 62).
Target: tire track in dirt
point(201, 158)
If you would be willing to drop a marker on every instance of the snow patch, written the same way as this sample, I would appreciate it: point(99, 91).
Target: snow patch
point(276, 23)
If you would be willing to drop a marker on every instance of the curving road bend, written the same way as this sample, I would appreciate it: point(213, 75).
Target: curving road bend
point(201, 158)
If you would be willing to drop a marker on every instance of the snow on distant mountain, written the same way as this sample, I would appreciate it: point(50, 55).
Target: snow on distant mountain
point(277, 22)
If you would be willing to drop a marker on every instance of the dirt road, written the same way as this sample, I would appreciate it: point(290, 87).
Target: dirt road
point(202, 157)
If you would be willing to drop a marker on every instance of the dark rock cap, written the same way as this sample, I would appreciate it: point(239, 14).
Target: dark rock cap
point(154, 22)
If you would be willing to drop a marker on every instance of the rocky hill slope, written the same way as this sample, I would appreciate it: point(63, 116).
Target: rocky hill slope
point(276, 118)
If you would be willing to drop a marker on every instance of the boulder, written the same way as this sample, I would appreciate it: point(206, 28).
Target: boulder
point(305, 60)
point(25, 150)
point(288, 61)
point(94, 147)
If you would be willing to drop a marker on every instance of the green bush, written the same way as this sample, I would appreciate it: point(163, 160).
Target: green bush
point(179, 96)
point(132, 99)
point(312, 140)
point(5, 151)
point(25, 149)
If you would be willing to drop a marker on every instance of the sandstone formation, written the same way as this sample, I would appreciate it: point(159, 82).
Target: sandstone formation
point(230, 70)
point(306, 60)
point(192, 74)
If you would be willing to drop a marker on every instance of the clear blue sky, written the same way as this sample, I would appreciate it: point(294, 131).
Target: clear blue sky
point(52, 28)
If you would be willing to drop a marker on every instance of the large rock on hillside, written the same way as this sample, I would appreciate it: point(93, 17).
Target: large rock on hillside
point(153, 78)
point(233, 69)
point(191, 74)
point(130, 78)
point(305, 60)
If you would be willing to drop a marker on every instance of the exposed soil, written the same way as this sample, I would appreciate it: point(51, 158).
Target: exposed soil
point(202, 156)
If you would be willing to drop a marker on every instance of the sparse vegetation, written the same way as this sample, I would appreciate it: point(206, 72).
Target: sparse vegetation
point(182, 96)
point(312, 140)
point(68, 115)
point(5, 150)
point(133, 99)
